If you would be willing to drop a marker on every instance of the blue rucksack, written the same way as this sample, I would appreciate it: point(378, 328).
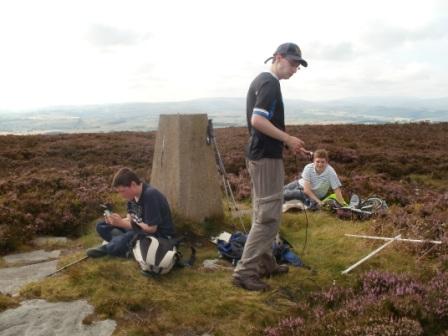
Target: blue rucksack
point(233, 250)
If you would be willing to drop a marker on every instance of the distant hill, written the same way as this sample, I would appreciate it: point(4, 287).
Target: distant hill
point(225, 112)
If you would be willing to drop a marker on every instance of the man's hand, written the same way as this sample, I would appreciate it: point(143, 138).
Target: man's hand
point(295, 144)
point(264, 126)
point(309, 192)
point(114, 219)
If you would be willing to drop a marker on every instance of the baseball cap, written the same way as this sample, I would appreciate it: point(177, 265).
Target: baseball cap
point(291, 51)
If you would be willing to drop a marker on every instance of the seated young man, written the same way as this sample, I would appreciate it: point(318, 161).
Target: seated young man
point(317, 179)
point(147, 211)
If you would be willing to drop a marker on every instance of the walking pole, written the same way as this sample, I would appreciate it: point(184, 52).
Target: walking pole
point(67, 266)
point(222, 170)
point(371, 254)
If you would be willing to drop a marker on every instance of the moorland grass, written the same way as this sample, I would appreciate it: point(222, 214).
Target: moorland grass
point(196, 300)
point(7, 302)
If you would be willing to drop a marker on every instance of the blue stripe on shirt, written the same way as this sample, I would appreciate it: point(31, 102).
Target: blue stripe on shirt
point(262, 113)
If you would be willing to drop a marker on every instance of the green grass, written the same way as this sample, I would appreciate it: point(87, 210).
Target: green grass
point(194, 300)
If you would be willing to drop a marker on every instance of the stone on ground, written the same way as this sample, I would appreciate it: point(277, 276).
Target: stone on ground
point(42, 318)
point(31, 257)
point(44, 241)
point(13, 278)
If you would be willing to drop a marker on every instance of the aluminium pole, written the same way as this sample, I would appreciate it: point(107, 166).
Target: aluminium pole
point(371, 254)
point(398, 239)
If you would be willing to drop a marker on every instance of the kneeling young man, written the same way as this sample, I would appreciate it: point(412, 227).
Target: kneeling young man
point(317, 179)
point(147, 211)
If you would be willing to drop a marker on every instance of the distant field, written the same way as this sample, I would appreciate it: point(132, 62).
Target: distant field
point(225, 112)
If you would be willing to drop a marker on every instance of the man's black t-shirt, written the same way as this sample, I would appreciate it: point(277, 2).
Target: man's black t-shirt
point(152, 208)
point(265, 98)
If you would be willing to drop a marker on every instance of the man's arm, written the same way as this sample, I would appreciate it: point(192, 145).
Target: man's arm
point(264, 126)
point(310, 193)
point(339, 196)
point(335, 184)
point(116, 220)
point(148, 228)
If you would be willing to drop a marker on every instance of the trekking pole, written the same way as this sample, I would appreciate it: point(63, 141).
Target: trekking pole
point(210, 141)
point(222, 170)
point(227, 186)
point(224, 184)
point(67, 266)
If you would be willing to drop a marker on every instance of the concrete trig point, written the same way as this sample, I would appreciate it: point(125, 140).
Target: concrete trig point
point(184, 167)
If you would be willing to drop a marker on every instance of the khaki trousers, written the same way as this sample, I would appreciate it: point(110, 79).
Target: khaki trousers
point(267, 176)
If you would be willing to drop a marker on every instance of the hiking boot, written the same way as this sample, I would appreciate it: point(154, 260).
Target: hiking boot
point(250, 283)
point(280, 269)
point(97, 252)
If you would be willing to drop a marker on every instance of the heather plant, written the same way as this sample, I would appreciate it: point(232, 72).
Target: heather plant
point(241, 184)
point(289, 326)
point(387, 327)
point(436, 298)
point(15, 227)
point(380, 185)
point(381, 303)
point(424, 218)
point(52, 202)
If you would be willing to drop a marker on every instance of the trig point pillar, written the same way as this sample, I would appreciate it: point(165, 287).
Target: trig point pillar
point(184, 167)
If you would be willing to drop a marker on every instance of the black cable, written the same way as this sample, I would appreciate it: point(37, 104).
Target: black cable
point(304, 206)
point(306, 231)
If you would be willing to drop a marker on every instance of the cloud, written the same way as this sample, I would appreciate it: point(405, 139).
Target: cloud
point(106, 37)
point(343, 51)
point(383, 36)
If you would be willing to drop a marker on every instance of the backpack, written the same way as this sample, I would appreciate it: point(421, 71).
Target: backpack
point(361, 209)
point(155, 255)
point(283, 253)
point(233, 249)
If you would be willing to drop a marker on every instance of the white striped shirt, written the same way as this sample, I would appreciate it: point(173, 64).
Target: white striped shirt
point(320, 183)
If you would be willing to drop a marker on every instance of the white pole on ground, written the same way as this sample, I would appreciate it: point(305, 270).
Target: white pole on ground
point(399, 239)
point(371, 254)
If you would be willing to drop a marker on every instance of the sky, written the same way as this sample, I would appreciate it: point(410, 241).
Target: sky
point(64, 52)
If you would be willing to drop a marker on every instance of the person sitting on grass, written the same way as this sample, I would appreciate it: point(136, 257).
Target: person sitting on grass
point(147, 211)
point(317, 179)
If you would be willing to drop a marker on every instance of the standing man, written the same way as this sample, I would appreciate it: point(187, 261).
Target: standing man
point(147, 211)
point(265, 120)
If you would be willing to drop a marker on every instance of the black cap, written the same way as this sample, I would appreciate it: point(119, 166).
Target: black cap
point(291, 51)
